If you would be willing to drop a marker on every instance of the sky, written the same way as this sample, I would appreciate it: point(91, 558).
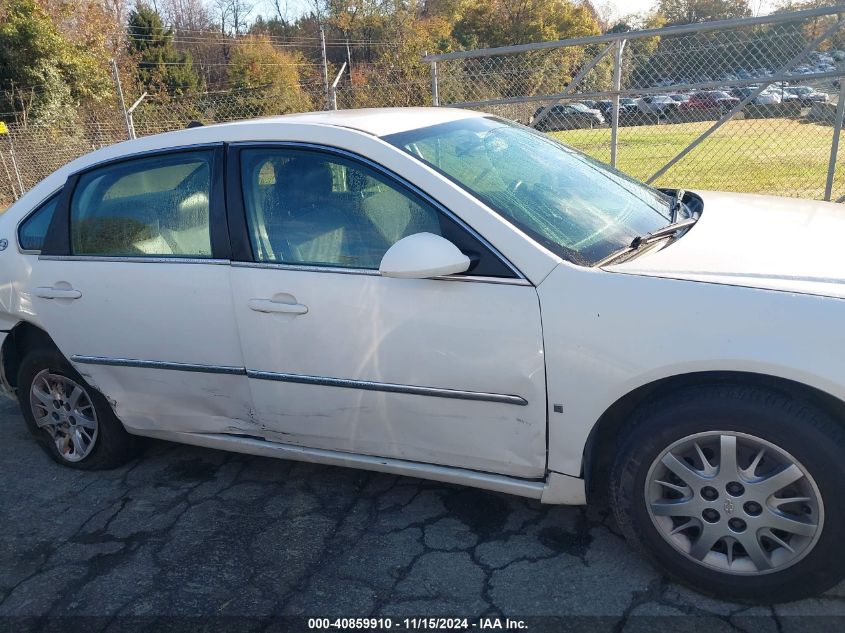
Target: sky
point(619, 8)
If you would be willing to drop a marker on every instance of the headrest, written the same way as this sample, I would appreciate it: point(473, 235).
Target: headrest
point(307, 174)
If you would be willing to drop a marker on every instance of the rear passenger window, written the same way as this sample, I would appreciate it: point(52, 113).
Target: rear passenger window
point(156, 206)
point(32, 230)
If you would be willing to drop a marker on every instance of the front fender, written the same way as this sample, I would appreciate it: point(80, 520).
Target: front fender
point(607, 334)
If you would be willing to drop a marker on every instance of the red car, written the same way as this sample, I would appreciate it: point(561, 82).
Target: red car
point(710, 100)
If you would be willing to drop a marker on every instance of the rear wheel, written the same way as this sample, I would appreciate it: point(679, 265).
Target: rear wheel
point(73, 423)
point(734, 491)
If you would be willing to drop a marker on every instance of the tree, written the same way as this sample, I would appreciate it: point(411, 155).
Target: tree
point(160, 67)
point(640, 53)
point(232, 15)
point(43, 75)
point(269, 77)
point(187, 15)
point(411, 35)
point(692, 11)
point(505, 22)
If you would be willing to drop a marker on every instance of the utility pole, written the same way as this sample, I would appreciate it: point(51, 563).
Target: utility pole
point(349, 57)
point(325, 68)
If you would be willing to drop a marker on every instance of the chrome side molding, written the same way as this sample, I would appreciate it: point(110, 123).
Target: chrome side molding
point(368, 385)
point(344, 383)
point(157, 364)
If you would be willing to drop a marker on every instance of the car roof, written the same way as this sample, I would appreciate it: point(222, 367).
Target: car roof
point(375, 121)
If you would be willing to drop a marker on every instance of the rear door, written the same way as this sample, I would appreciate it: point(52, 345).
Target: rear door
point(133, 286)
point(446, 371)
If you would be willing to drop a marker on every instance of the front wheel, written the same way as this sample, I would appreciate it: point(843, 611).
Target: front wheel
point(73, 422)
point(734, 491)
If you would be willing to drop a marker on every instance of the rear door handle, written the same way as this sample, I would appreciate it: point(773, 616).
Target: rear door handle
point(269, 305)
point(46, 292)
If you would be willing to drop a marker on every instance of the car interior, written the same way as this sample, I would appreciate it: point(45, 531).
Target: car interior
point(303, 209)
point(170, 218)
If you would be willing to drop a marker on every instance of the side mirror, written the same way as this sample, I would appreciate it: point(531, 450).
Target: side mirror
point(423, 255)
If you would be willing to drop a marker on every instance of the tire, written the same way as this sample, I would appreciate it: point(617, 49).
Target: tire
point(749, 419)
point(100, 441)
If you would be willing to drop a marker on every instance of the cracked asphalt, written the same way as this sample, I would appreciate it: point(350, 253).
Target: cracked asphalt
point(191, 532)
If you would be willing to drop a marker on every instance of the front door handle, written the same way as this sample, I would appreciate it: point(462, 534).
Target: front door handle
point(46, 292)
point(271, 305)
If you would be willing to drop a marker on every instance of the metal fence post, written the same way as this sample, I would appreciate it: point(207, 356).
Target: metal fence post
point(9, 176)
point(122, 102)
point(130, 114)
point(834, 146)
point(617, 87)
point(325, 68)
point(333, 89)
point(435, 87)
point(15, 164)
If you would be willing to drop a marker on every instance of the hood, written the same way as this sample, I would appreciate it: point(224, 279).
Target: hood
point(755, 241)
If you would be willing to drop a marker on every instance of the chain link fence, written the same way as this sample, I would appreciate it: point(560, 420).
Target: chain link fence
point(743, 105)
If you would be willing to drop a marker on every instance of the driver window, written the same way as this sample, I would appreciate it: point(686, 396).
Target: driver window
point(309, 208)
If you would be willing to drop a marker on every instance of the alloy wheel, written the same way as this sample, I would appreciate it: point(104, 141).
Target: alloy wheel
point(63, 408)
point(734, 502)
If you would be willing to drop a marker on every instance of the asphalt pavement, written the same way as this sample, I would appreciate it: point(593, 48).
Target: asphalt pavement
point(183, 532)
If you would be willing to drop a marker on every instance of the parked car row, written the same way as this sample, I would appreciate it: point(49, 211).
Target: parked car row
point(587, 114)
point(816, 62)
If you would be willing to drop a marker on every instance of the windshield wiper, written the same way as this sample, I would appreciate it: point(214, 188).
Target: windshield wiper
point(669, 229)
point(648, 238)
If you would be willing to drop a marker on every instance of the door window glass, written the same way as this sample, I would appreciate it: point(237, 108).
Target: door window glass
point(319, 209)
point(149, 207)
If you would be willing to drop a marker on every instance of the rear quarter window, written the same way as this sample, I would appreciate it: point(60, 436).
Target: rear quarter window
point(32, 230)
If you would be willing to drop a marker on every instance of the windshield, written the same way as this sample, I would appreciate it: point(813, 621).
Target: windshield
point(580, 107)
point(575, 206)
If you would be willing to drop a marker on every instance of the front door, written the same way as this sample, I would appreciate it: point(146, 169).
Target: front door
point(133, 286)
point(446, 371)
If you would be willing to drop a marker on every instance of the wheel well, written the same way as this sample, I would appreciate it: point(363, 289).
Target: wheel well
point(22, 339)
point(601, 446)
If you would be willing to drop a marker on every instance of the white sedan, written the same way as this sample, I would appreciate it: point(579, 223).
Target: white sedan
point(444, 294)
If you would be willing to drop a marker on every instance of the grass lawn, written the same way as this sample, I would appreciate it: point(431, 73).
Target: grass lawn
point(777, 156)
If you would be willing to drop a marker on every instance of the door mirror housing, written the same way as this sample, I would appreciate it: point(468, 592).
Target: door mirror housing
point(423, 255)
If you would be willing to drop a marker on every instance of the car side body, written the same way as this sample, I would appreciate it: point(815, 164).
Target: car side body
point(608, 336)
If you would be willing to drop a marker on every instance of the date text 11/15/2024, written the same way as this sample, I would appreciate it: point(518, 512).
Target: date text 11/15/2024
point(435, 624)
